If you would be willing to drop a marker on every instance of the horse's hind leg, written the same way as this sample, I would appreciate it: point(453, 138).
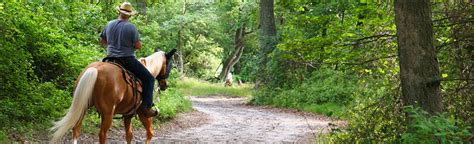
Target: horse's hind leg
point(104, 127)
point(128, 129)
point(76, 130)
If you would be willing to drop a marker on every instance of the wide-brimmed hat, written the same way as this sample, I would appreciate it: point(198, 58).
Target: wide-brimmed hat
point(126, 8)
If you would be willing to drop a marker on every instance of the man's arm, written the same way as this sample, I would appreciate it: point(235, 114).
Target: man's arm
point(103, 38)
point(138, 45)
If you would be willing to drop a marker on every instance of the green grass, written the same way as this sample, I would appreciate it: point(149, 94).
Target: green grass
point(328, 109)
point(194, 87)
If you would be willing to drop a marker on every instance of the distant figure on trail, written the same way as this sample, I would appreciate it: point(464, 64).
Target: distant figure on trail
point(122, 39)
point(228, 80)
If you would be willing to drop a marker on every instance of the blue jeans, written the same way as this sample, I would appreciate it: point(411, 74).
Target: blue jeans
point(148, 81)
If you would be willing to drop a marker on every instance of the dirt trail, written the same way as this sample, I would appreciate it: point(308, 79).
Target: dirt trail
point(220, 119)
point(231, 121)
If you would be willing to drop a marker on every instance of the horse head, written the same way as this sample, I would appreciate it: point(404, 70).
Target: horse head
point(160, 64)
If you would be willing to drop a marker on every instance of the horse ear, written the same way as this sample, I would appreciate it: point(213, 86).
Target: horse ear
point(170, 54)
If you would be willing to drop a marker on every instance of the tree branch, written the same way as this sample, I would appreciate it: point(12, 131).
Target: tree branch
point(439, 79)
point(457, 23)
point(443, 79)
point(371, 60)
point(249, 32)
point(369, 39)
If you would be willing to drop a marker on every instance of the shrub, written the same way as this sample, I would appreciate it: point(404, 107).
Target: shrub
point(375, 115)
point(3, 137)
point(439, 128)
point(171, 103)
point(325, 88)
point(43, 48)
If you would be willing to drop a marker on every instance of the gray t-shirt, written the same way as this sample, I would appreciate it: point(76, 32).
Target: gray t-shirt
point(121, 37)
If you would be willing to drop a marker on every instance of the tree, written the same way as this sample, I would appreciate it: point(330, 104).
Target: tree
point(236, 54)
point(267, 37)
point(419, 69)
point(179, 44)
point(238, 17)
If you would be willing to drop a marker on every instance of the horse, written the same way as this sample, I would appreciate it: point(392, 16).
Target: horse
point(101, 84)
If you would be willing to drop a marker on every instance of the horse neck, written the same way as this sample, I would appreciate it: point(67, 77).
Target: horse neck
point(154, 63)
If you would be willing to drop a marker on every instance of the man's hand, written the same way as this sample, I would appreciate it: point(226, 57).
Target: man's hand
point(138, 45)
point(103, 42)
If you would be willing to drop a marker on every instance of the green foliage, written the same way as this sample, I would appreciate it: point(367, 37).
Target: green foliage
point(3, 137)
point(374, 116)
point(192, 31)
point(42, 52)
point(358, 39)
point(44, 47)
point(439, 128)
point(194, 87)
point(46, 95)
point(171, 103)
point(337, 58)
point(325, 88)
point(455, 57)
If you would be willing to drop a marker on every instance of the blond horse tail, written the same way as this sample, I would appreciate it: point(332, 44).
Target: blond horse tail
point(80, 103)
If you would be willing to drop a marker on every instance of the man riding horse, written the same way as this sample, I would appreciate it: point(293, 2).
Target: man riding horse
point(111, 89)
point(122, 39)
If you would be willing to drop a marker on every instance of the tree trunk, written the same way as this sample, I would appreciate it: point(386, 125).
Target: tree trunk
point(268, 39)
point(180, 46)
point(236, 54)
point(419, 70)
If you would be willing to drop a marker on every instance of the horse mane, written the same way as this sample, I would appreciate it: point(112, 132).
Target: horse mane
point(152, 64)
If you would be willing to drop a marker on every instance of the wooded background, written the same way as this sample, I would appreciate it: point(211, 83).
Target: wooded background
point(395, 71)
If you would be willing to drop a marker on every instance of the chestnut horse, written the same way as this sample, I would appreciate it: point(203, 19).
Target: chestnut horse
point(102, 85)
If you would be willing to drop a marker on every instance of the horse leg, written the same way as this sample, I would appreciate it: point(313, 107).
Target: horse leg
point(76, 130)
point(104, 127)
point(128, 129)
point(147, 122)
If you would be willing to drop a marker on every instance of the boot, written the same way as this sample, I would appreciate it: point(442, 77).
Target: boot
point(149, 111)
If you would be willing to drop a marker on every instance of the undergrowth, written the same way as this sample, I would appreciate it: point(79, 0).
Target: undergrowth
point(439, 128)
point(326, 92)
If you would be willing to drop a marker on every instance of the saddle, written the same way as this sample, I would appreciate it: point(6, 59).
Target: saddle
point(131, 80)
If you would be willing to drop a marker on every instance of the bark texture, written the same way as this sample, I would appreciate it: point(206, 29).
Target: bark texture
point(268, 39)
point(419, 69)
